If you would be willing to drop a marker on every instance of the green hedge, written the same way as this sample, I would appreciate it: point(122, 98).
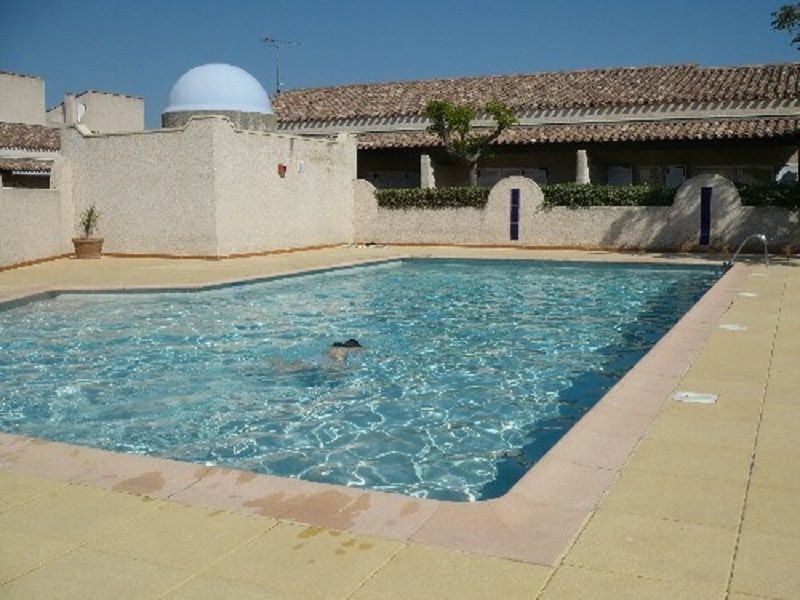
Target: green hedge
point(575, 195)
point(454, 197)
point(771, 194)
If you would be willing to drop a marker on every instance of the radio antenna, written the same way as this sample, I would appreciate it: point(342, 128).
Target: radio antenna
point(274, 43)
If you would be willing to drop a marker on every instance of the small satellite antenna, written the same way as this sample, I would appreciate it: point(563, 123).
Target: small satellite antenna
point(274, 43)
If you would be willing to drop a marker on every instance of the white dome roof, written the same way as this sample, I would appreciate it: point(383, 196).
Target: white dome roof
point(218, 86)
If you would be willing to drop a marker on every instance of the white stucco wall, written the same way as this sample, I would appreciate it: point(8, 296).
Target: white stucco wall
point(209, 190)
point(655, 228)
point(489, 225)
point(31, 225)
point(22, 99)
point(257, 210)
point(104, 112)
point(154, 190)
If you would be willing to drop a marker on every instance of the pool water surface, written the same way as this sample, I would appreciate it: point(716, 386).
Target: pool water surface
point(470, 372)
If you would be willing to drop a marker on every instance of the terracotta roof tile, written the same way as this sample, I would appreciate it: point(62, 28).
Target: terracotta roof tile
point(29, 137)
point(606, 132)
point(25, 164)
point(616, 87)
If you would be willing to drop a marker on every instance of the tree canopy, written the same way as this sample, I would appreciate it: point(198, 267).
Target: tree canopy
point(787, 18)
point(453, 124)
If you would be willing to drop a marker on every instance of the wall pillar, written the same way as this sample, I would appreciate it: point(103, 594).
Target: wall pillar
point(582, 167)
point(427, 179)
point(70, 110)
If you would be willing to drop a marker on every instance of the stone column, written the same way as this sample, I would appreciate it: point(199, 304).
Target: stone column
point(426, 177)
point(582, 168)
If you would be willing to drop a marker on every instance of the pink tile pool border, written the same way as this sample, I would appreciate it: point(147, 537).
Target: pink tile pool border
point(535, 521)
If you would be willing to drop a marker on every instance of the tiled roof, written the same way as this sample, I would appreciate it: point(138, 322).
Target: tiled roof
point(618, 87)
point(29, 137)
point(25, 164)
point(606, 132)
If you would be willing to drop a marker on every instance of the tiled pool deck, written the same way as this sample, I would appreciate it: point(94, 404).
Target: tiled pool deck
point(645, 498)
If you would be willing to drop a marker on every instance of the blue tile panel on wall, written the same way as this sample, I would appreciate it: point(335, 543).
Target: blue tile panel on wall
point(514, 233)
point(705, 215)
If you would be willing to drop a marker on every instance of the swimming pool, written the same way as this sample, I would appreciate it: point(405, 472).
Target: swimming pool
point(471, 371)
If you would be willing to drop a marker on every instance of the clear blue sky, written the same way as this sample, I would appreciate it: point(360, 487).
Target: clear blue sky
point(141, 46)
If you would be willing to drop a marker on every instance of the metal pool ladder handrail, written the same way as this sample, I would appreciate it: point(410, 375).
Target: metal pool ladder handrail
point(758, 236)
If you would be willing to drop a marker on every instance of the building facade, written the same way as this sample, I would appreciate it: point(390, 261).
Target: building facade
point(657, 125)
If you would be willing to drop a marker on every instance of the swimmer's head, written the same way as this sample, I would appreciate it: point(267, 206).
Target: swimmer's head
point(351, 343)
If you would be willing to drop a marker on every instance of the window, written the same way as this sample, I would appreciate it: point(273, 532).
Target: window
point(620, 176)
point(491, 175)
point(393, 179)
point(676, 175)
point(649, 176)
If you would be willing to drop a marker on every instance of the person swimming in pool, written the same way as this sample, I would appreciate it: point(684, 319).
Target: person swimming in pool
point(339, 351)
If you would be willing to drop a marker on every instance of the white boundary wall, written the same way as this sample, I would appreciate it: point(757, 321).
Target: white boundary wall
point(36, 224)
point(32, 225)
point(210, 190)
point(672, 228)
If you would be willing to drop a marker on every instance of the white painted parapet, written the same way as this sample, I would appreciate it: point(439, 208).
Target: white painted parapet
point(667, 228)
point(489, 225)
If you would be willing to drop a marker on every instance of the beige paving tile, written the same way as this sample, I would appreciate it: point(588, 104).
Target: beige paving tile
point(654, 548)
point(20, 553)
point(85, 574)
point(691, 499)
point(505, 527)
point(74, 513)
point(780, 427)
point(767, 565)
point(725, 410)
point(210, 588)
point(751, 346)
point(16, 489)
point(701, 424)
point(776, 465)
point(306, 562)
point(422, 572)
point(751, 391)
point(733, 366)
point(782, 364)
point(181, 537)
point(692, 460)
point(581, 584)
point(783, 386)
point(772, 510)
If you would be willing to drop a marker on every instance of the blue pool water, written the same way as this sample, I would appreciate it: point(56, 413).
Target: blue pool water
point(471, 370)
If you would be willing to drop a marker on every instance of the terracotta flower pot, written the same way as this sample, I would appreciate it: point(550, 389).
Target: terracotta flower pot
point(87, 247)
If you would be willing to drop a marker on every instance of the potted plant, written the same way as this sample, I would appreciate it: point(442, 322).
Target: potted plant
point(88, 246)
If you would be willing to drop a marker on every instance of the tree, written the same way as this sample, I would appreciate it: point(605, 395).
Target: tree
point(453, 124)
point(787, 18)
